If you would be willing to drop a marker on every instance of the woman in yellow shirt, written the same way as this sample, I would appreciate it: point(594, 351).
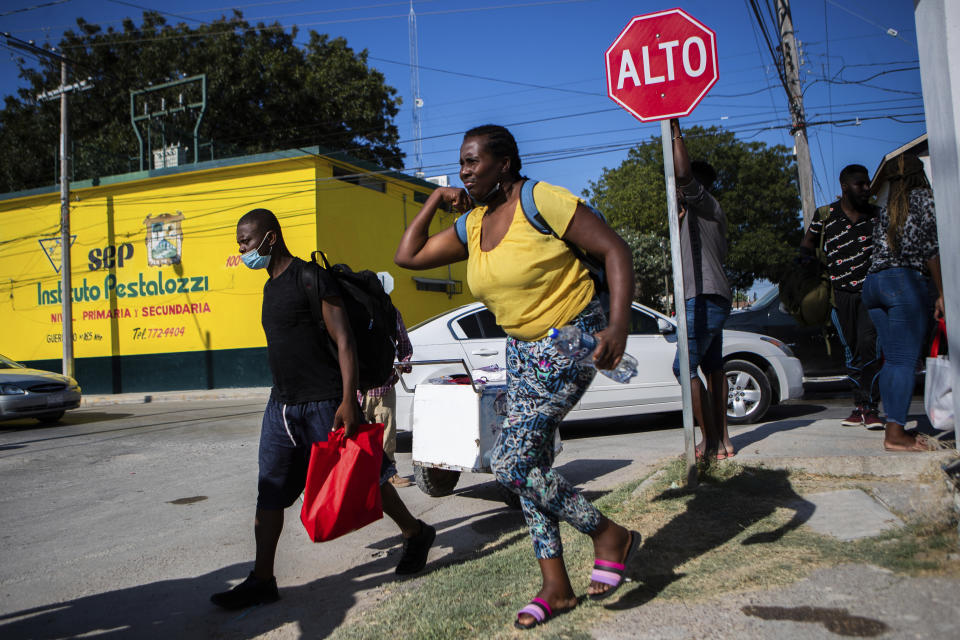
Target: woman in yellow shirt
point(532, 282)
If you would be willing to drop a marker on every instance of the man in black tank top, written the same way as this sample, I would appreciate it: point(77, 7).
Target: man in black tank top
point(314, 392)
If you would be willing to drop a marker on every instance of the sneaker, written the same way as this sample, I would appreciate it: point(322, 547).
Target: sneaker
point(415, 550)
point(399, 481)
point(248, 593)
point(855, 419)
point(871, 420)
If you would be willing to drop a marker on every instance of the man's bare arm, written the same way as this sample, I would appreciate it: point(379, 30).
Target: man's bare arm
point(338, 326)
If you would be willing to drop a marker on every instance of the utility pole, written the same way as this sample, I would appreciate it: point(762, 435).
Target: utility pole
point(415, 90)
point(791, 64)
point(66, 282)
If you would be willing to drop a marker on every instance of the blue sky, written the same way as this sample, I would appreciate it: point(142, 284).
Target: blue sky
point(538, 68)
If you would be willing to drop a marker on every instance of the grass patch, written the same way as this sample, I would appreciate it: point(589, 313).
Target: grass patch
point(740, 530)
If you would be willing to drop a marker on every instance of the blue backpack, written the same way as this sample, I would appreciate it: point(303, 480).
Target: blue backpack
point(529, 206)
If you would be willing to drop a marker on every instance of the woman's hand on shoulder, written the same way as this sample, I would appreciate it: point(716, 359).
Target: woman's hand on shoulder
point(611, 343)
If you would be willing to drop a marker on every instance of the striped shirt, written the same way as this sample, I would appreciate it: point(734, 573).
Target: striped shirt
point(847, 247)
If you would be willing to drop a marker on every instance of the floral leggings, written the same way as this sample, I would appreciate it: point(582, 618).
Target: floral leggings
point(542, 387)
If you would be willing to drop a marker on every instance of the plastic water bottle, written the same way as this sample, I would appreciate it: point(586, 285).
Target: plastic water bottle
point(579, 345)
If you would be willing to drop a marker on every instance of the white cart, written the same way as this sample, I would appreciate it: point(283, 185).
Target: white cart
point(455, 427)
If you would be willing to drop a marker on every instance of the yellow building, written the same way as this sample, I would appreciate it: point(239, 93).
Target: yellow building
point(161, 300)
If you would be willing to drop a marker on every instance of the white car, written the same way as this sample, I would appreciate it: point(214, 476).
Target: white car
point(760, 370)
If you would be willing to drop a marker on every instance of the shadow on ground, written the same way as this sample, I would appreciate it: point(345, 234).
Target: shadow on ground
point(715, 513)
point(577, 472)
point(744, 439)
point(792, 410)
point(180, 608)
point(70, 419)
point(168, 423)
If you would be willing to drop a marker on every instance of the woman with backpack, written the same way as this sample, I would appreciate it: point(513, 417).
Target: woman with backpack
point(895, 292)
point(533, 281)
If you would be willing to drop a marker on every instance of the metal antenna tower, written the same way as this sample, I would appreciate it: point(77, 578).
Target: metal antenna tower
point(415, 92)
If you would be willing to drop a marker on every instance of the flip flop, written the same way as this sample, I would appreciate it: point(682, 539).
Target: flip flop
point(613, 573)
point(698, 454)
point(541, 612)
point(921, 443)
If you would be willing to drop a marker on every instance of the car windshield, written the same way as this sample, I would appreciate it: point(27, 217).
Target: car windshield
point(7, 363)
point(765, 299)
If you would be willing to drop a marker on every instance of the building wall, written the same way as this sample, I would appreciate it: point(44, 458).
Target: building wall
point(161, 299)
point(362, 227)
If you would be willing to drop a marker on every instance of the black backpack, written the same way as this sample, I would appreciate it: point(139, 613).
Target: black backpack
point(373, 318)
point(805, 290)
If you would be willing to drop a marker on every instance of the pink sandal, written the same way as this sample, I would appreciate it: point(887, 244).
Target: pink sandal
point(541, 612)
point(613, 573)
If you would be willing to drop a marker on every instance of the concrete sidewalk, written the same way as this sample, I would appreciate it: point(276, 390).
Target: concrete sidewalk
point(857, 600)
point(107, 399)
point(802, 434)
point(805, 435)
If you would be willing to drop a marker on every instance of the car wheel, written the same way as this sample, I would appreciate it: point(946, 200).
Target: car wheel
point(748, 393)
point(435, 482)
point(51, 418)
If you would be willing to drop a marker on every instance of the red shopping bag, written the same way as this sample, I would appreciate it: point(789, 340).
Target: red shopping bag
point(342, 493)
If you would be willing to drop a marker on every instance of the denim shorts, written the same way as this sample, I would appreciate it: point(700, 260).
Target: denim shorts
point(705, 318)
point(286, 438)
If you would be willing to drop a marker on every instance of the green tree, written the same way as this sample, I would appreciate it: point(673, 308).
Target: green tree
point(756, 186)
point(651, 267)
point(264, 93)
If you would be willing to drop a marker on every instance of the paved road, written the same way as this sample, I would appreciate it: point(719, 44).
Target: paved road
point(125, 518)
point(122, 520)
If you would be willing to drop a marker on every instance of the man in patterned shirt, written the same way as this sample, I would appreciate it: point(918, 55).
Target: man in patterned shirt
point(847, 246)
point(380, 403)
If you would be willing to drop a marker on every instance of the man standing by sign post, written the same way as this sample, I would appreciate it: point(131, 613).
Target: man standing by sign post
point(660, 67)
point(706, 294)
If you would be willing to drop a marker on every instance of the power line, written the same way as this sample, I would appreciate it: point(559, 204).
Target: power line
point(231, 8)
point(492, 79)
point(518, 124)
point(752, 5)
point(826, 32)
point(36, 6)
point(890, 31)
point(279, 26)
point(166, 13)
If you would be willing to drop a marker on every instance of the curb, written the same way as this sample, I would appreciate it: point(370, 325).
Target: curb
point(252, 393)
point(902, 465)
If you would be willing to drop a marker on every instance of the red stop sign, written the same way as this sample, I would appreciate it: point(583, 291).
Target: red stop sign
point(661, 65)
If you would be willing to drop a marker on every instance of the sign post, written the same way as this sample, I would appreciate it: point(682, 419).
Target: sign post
point(660, 67)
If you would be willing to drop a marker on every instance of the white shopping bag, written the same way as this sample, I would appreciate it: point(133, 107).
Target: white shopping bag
point(937, 393)
point(938, 390)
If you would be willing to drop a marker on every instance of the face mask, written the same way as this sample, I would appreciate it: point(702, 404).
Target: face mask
point(485, 199)
point(254, 260)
